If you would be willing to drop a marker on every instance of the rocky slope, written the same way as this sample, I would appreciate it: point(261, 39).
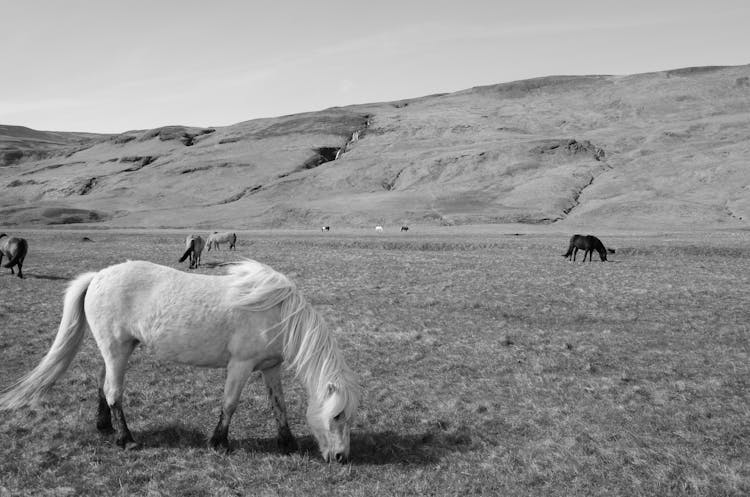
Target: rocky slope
point(665, 150)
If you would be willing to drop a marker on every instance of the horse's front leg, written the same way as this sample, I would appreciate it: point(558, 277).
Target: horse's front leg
point(237, 374)
point(272, 377)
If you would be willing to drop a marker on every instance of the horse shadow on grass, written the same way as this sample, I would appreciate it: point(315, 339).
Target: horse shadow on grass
point(214, 265)
point(50, 277)
point(381, 448)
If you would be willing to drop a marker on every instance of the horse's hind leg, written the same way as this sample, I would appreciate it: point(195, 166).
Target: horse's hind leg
point(20, 272)
point(237, 375)
point(103, 413)
point(272, 377)
point(115, 362)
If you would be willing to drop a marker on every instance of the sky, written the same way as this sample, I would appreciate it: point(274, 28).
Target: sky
point(111, 66)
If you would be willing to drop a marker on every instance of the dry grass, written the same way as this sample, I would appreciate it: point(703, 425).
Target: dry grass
point(492, 367)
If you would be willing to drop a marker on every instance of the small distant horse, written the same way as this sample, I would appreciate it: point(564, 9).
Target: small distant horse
point(194, 245)
point(325, 228)
point(215, 240)
point(251, 319)
point(587, 243)
point(379, 229)
point(15, 250)
point(404, 228)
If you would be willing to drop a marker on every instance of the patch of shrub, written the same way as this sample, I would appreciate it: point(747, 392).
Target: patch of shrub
point(12, 157)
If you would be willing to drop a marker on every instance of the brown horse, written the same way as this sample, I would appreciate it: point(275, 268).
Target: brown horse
point(587, 243)
point(15, 250)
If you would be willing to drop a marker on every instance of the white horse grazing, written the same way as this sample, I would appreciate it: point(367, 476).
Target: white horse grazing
point(379, 229)
point(215, 240)
point(250, 319)
point(194, 245)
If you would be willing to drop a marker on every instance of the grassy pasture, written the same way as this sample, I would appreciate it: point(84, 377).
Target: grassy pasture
point(491, 366)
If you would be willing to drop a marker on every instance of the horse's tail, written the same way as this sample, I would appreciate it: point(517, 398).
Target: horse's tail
point(73, 325)
point(21, 250)
point(570, 250)
point(188, 251)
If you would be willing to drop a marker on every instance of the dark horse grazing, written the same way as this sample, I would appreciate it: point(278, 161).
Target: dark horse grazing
point(15, 249)
point(587, 243)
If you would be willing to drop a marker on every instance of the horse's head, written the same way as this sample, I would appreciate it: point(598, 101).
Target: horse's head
point(330, 418)
point(603, 255)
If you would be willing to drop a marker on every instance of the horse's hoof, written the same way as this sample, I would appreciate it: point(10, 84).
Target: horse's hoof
point(219, 445)
point(127, 443)
point(287, 445)
point(105, 429)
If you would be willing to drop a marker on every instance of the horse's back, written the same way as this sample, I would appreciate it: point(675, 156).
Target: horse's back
point(199, 244)
point(182, 317)
point(227, 236)
point(132, 284)
point(585, 242)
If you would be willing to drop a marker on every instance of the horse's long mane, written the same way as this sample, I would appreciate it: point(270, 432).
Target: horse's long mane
point(257, 286)
point(309, 349)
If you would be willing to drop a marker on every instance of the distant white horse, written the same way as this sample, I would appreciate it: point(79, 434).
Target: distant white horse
point(379, 229)
point(215, 240)
point(251, 319)
point(194, 245)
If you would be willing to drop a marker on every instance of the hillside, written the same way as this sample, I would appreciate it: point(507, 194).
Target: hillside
point(664, 150)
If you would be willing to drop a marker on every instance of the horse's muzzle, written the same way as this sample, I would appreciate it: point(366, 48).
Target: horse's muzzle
point(339, 457)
